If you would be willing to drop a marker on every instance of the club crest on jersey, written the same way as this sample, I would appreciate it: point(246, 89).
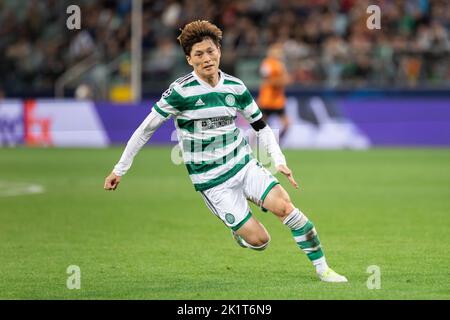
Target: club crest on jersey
point(230, 218)
point(230, 100)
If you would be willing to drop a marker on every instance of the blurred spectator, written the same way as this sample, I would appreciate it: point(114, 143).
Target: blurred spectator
point(83, 92)
point(272, 98)
point(326, 43)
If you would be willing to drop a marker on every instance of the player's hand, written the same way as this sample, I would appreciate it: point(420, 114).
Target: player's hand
point(111, 181)
point(288, 173)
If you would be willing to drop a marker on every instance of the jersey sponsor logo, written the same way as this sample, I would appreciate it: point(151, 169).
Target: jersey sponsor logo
point(199, 103)
point(213, 123)
point(230, 218)
point(230, 100)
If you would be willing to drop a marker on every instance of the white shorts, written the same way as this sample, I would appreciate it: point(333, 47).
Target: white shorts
point(228, 201)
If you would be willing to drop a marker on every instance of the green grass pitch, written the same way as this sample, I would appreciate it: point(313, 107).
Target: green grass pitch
point(154, 238)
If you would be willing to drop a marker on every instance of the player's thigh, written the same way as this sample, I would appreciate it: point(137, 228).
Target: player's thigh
point(254, 232)
point(258, 183)
point(231, 207)
point(278, 202)
point(229, 204)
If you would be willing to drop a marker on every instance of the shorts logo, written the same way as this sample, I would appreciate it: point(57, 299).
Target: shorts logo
point(230, 100)
point(230, 218)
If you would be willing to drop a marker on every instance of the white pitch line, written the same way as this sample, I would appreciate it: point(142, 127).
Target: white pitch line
point(12, 189)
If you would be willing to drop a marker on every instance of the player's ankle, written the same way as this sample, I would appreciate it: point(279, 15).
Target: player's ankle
point(320, 265)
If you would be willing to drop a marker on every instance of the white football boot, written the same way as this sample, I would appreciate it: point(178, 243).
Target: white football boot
point(329, 275)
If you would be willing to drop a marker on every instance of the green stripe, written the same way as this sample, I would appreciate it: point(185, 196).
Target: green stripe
point(257, 113)
point(271, 185)
point(246, 99)
point(216, 142)
point(240, 224)
point(226, 81)
point(224, 177)
point(191, 84)
point(303, 230)
point(204, 166)
point(164, 114)
point(210, 100)
point(174, 99)
point(315, 255)
point(186, 124)
point(314, 242)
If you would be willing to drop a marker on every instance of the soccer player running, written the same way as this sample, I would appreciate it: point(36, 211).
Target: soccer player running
point(272, 98)
point(204, 104)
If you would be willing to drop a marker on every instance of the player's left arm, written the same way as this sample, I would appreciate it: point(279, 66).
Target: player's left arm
point(253, 115)
point(270, 144)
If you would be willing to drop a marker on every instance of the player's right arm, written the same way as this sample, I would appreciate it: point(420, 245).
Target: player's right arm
point(139, 138)
point(161, 112)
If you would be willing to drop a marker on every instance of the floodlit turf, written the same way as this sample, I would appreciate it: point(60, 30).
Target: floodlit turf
point(154, 238)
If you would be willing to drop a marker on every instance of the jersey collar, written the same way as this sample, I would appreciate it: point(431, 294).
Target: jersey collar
point(206, 84)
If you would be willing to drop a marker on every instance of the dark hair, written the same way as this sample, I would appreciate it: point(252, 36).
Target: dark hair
point(197, 31)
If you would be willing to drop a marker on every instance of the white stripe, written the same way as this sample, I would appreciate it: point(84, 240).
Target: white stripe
point(183, 134)
point(214, 173)
point(308, 250)
point(183, 78)
point(208, 155)
point(208, 113)
point(167, 108)
point(198, 90)
point(303, 238)
point(230, 77)
point(250, 110)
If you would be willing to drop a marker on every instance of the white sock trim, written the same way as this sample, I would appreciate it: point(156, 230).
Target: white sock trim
point(295, 220)
point(259, 248)
point(320, 265)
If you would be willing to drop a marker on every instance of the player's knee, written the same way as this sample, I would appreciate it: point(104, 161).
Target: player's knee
point(285, 208)
point(259, 242)
point(260, 246)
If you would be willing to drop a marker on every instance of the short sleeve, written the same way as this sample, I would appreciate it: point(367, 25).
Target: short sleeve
point(169, 104)
point(249, 109)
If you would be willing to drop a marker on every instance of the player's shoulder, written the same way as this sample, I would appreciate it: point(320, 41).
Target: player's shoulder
point(178, 87)
point(231, 80)
point(185, 81)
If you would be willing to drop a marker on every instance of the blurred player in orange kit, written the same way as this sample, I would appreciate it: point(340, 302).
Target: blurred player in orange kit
point(272, 98)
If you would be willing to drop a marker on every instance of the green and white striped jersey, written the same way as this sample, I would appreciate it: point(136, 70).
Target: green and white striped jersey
point(213, 147)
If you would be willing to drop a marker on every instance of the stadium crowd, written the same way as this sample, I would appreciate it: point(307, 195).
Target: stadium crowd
point(326, 42)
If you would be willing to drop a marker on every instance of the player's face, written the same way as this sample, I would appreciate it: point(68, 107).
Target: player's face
point(205, 58)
